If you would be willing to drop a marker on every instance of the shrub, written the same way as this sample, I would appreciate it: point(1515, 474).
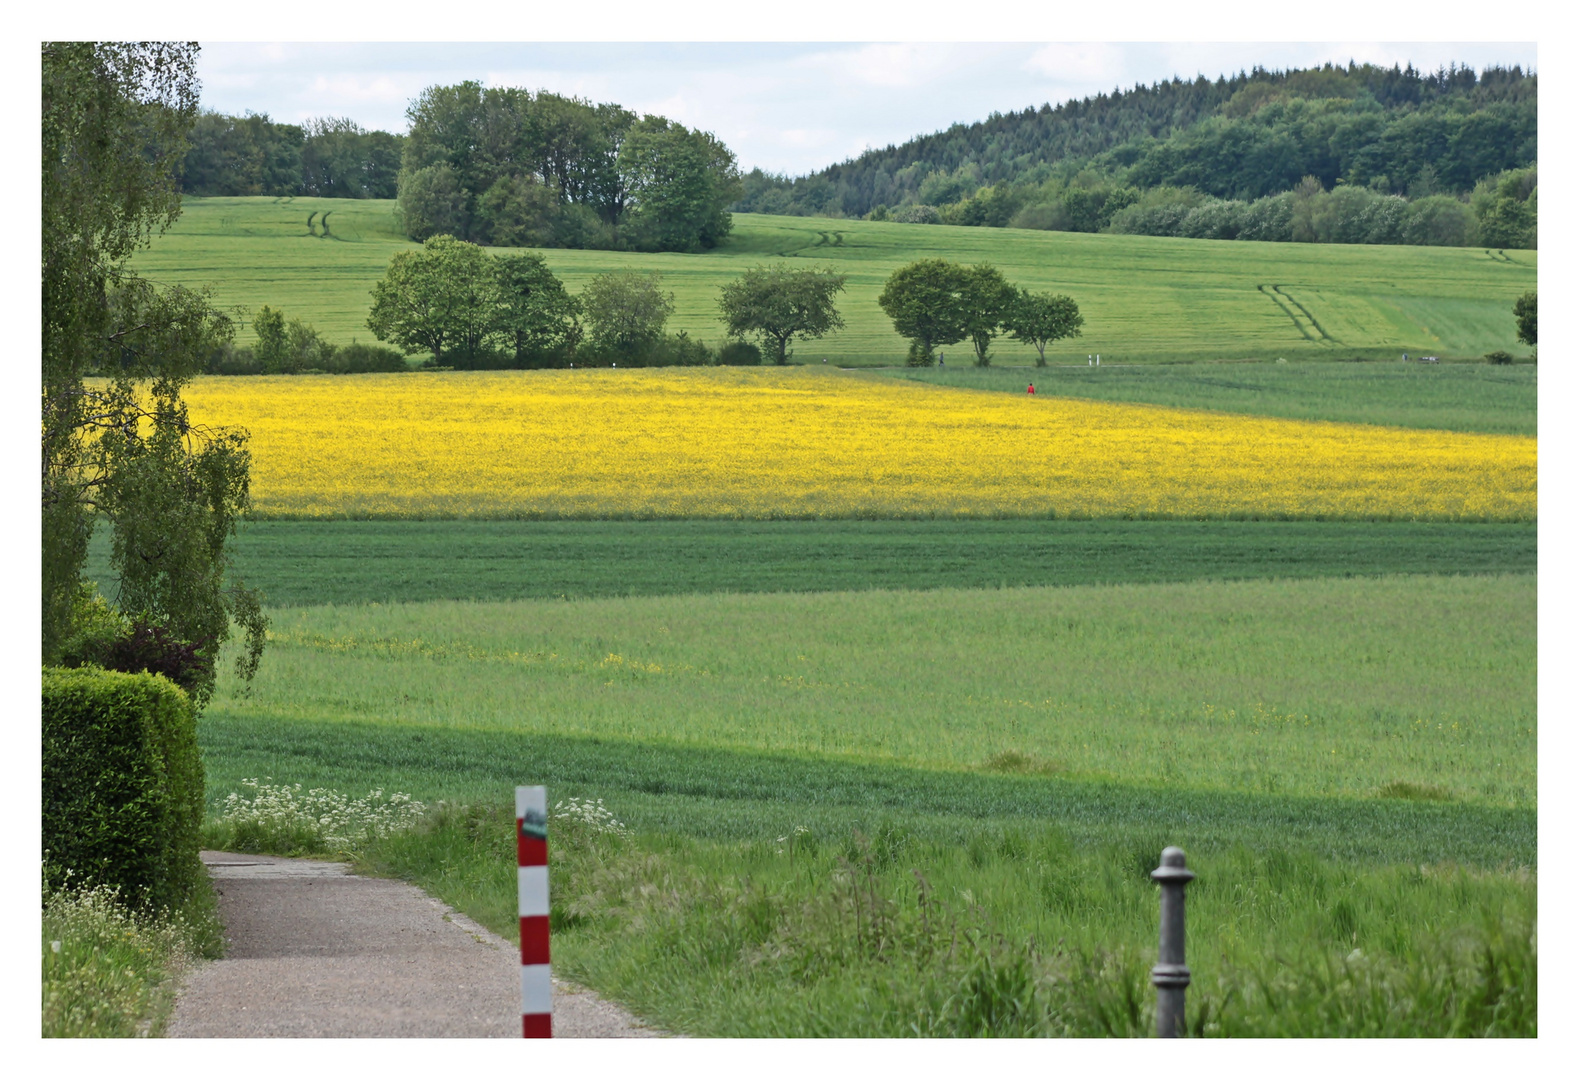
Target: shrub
point(146, 646)
point(739, 354)
point(678, 350)
point(1499, 357)
point(359, 359)
point(122, 785)
point(96, 627)
point(481, 359)
point(231, 360)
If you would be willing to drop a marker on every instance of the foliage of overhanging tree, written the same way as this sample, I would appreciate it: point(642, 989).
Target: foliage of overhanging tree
point(780, 304)
point(114, 123)
point(508, 167)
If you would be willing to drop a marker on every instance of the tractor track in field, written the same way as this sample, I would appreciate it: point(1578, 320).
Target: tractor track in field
point(314, 951)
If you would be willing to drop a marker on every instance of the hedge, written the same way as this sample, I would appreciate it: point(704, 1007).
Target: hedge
point(122, 784)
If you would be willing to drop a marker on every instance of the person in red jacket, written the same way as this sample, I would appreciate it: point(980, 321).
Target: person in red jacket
point(1030, 388)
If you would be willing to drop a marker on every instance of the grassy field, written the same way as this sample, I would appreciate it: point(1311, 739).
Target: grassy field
point(882, 777)
point(1335, 687)
point(354, 562)
point(1144, 298)
point(1457, 397)
point(932, 812)
point(814, 443)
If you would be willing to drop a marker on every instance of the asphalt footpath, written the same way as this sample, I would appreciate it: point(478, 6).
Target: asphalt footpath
point(316, 952)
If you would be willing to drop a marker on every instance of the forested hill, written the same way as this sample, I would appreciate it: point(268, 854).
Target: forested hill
point(1400, 132)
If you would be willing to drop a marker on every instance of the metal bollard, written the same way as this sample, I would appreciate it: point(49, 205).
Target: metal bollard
point(1171, 976)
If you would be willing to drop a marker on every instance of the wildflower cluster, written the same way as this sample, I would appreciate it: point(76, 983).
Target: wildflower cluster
point(590, 814)
point(317, 818)
point(727, 443)
point(106, 967)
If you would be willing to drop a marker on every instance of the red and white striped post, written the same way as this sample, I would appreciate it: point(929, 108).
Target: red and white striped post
point(531, 847)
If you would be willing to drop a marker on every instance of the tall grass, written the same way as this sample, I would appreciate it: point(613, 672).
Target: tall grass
point(109, 969)
point(1001, 930)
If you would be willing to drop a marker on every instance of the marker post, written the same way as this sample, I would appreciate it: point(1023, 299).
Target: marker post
point(531, 844)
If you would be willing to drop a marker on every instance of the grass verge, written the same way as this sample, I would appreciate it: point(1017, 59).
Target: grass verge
point(111, 970)
point(1000, 929)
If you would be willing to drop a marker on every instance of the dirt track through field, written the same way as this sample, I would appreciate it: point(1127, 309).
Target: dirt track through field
point(314, 951)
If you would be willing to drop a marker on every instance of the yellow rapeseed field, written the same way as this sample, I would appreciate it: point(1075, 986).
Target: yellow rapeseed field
point(719, 442)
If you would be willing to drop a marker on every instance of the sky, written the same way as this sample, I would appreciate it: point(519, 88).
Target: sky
point(780, 106)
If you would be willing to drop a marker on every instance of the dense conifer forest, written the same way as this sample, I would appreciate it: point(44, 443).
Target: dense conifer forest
point(1445, 157)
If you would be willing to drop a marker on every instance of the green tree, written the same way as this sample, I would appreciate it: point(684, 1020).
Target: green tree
point(273, 348)
point(779, 304)
point(1524, 315)
point(115, 118)
point(626, 312)
point(442, 299)
point(679, 185)
point(432, 203)
point(1038, 318)
point(925, 302)
point(987, 299)
point(536, 316)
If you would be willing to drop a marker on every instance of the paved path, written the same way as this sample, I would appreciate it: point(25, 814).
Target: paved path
point(314, 951)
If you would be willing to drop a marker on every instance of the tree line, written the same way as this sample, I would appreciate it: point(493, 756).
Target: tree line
point(512, 168)
point(472, 310)
point(1240, 139)
point(253, 155)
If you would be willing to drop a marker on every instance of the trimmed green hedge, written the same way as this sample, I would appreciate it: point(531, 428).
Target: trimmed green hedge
point(123, 784)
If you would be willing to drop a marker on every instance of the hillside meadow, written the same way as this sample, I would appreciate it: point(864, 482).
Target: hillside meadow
point(1144, 298)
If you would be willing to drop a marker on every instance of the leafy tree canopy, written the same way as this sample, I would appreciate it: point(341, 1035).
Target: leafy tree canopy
point(1038, 318)
point(986, 299)
point(925, 300)
point(626, 311)
point(501, 165)
point(779, 304)
point(440, 299)
point(115, 119)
